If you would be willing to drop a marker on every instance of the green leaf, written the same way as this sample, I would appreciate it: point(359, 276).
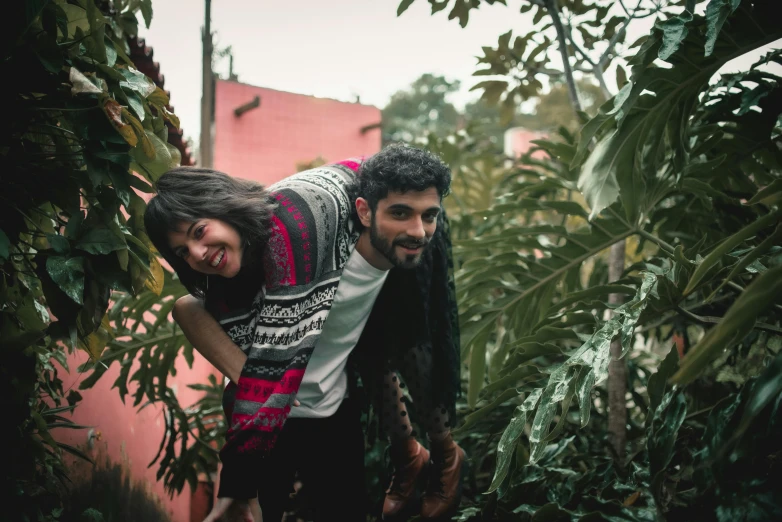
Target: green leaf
point(477, 367)
point(663, 431)
point(750, 258)
point(136, 105)
point(767, 192)
point(738, 321)
point(659, 381)
point(68, 274)
point(674, 32)
point(100, 241)
point(146, 11)
point(597, 181)
point(766, 389)
point(5, 247)
point(137, 82)
point(403, 5)
point(507, 444)
point(728, 245)
point(586, 367)
point(77, 19)
point(716, 13)
point(162, 162)
point(60, 244)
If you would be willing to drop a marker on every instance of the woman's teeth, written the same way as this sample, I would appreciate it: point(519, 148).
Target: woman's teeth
point(218, 258)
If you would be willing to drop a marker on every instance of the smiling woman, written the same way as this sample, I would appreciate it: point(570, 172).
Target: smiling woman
point(208, 246)
point(205, 222)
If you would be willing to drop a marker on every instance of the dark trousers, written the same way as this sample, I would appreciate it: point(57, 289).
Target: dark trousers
point(328, 454)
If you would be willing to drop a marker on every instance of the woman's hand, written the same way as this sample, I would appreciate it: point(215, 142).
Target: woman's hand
point(231, 510)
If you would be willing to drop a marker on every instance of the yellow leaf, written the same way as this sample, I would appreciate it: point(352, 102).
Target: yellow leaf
point(629, 501)
point(114, 111)
point(155, 282)
point(96, 342)
point(170, 116)
point(146, 145)
point(158, 98)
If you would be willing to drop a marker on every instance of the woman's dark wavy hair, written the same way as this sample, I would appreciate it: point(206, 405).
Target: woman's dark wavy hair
point(401, 168)
point(186, 194)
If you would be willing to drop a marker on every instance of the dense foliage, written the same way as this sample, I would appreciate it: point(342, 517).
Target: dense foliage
point(78, 119)
point(686, 165)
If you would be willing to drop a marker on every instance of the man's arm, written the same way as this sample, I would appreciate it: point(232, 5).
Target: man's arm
point(206, 336)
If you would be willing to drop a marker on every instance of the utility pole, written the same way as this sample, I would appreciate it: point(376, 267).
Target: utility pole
point(207, 96)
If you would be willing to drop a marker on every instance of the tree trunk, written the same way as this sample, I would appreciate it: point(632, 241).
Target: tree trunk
point(617, 369)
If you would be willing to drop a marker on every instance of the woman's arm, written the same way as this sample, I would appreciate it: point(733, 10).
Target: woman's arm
point(206, 336)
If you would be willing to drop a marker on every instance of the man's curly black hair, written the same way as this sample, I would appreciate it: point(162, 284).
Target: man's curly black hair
point(401, 168)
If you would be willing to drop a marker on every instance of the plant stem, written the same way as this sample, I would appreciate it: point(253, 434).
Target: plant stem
point(656, 240)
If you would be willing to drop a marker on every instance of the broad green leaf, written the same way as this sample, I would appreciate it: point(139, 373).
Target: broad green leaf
point(674, 32)
point(591, 358)
point(510, 436)
point(659, 381)
point(728, 245)
point(68, 274)
point(100, 241)
point(663, 431)
point(146, 11)
point(162, 162)
point(738, 321)
point(597, 181)
point(60, 244)
point(77, 19)
point(137, 82)
point(716, 13)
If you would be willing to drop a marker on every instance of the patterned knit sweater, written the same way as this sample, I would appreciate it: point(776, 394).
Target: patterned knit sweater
point(312, 235)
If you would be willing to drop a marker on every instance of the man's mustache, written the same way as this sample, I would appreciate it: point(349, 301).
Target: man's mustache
point(411, 243)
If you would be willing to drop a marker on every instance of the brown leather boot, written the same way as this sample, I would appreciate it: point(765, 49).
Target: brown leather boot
point(409, 460)
point(444, 490)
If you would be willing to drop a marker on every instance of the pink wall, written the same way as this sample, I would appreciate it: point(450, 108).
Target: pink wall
point(518, 140)
point(265, 143)
point(124, 433)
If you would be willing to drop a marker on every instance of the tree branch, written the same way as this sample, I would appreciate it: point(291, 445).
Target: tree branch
point(553, 11)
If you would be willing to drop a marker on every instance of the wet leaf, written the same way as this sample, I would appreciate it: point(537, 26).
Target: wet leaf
point(68, 274)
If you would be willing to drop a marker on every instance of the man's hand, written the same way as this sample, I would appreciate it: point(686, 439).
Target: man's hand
point(231, 510)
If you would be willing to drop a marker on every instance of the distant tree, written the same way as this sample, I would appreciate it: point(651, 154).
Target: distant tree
point(421, 109)
point(554, 108)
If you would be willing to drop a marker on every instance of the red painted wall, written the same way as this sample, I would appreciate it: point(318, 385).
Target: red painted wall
point(265, 143)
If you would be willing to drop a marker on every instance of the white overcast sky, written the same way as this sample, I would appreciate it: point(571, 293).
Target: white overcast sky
point(329, 48)
point(336, 49)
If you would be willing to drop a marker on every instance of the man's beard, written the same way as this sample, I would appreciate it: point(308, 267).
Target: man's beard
point(388, 248)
